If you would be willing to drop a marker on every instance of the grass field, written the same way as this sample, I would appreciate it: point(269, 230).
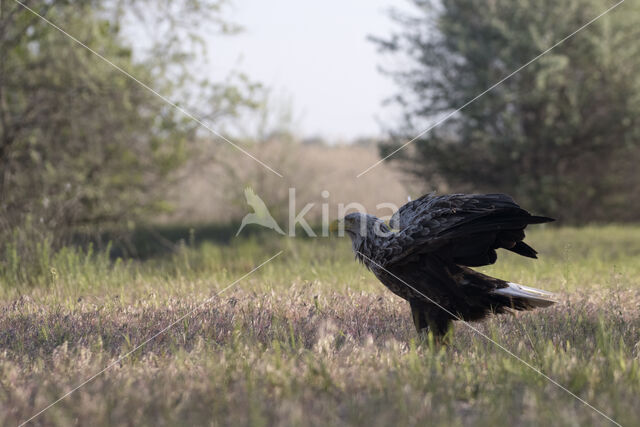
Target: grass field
point(312, 338)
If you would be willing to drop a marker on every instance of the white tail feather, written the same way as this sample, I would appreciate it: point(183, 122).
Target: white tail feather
point(537, 297)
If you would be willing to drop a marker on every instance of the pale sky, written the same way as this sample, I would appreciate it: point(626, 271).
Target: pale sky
point(314, 55)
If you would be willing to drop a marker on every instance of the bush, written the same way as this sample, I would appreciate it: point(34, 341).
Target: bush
point(559, 135)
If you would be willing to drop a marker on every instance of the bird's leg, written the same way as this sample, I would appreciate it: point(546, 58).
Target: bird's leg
point(419, 320)
point(428, 322)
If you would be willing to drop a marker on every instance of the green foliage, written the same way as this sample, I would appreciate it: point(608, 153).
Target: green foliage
point(561, 135)
point(81, 143)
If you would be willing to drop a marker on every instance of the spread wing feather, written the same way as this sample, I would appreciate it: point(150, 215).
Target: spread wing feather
point(463, 228)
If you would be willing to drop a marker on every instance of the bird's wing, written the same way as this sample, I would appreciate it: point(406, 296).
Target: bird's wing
point(465, 228)
point(430, 204)
point(407, 212)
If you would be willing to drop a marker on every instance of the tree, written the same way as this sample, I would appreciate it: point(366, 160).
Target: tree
point(80, 142)
point(557, 135)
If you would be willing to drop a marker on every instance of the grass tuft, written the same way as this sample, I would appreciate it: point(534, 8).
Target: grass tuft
point(313, 338)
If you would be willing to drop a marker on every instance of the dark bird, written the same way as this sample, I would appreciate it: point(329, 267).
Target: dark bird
point(427, 259)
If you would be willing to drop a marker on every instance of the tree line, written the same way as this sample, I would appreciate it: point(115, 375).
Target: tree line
point(81, 143)
point(561, 135)
point(84, 145)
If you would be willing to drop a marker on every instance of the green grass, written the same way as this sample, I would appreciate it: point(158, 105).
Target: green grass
point(312, 338)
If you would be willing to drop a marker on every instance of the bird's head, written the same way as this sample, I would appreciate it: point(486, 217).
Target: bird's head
point(361, 228)
point(358, 224)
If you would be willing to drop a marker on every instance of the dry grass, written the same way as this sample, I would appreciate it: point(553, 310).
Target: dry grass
point(213, 191)
point(313, 339)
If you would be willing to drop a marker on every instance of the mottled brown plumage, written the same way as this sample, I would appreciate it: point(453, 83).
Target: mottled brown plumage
point(425, 258)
